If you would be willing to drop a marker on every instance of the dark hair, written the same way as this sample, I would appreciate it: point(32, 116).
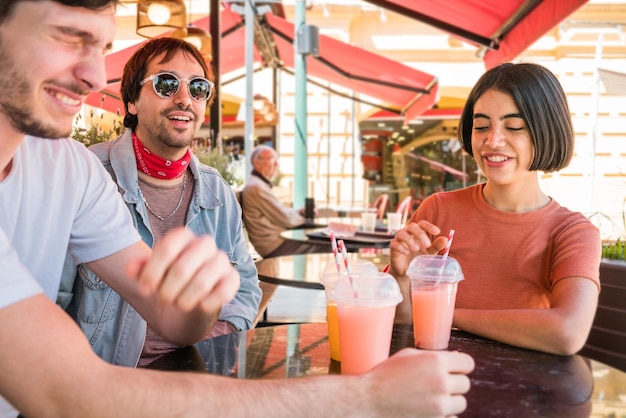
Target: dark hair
point(542, 103)
point(136, 67)
point(7, 6)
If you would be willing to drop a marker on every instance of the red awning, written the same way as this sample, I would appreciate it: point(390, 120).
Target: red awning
point(406, 88)
point(396, 85)
point(506, 27)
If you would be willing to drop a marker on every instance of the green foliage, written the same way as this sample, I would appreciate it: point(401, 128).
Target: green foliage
point(222, 163)
point(96, 132)
point(614, 250)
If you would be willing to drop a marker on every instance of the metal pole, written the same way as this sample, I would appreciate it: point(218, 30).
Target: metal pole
point(300, 147)
point(249, 58)
point(328, 149)
point(354, 145)
point(593, 128)
point(276, 104)
point(216, 33)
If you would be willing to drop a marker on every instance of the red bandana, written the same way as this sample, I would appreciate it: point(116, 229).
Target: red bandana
point(156, 166)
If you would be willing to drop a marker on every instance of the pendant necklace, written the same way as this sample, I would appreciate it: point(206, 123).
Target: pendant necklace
point(180, 201)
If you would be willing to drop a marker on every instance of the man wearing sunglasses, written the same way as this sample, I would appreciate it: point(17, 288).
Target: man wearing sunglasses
point(165, 93)
point(55, 196)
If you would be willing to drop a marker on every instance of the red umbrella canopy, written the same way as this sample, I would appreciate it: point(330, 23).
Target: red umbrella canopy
point(505, 27)
point(404, 88)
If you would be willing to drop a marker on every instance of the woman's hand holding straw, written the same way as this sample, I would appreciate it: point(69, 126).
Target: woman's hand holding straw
point(333, 244)
point(446, 250)
point(344, 253)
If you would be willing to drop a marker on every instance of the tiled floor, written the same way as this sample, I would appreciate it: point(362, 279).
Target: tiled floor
point(290, 304)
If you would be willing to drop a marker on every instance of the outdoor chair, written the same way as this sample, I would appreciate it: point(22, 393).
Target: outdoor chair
point(405, 208)
point(607, 339)
point(381, 204)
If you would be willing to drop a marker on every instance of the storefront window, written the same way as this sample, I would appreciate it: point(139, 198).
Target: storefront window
point(439, 166)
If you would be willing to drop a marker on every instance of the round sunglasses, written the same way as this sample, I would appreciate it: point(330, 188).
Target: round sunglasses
point(166, 85)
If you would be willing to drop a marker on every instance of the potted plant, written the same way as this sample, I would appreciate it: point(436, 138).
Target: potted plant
point(614, 250)
point(97, 131)
point(222, 163)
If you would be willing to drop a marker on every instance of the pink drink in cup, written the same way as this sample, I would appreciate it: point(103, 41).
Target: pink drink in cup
point(433, 308)
point(365, 322)
point(328, 279)
point(434, 280)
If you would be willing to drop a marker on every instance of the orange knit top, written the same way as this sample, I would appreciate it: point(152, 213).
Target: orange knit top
point(512, 260)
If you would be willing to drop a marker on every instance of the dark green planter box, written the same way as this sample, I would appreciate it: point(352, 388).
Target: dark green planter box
point(607, 339)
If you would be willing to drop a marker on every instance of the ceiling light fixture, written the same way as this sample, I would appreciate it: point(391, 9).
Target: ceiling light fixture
point(196, 36)
point(155, 17)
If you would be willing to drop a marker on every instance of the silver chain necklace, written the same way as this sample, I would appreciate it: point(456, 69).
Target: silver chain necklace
point(180, 201)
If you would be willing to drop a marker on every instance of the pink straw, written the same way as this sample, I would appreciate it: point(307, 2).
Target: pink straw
point(346, 262)
point(333, 243)
point(446, 250)
point(448, 244)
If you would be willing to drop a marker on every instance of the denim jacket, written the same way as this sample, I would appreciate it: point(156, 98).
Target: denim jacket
point(115, 330)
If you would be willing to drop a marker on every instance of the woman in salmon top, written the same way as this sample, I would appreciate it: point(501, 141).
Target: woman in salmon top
point(531, 266)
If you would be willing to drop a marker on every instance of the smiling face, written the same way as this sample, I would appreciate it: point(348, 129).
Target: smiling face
point(167, 126)
point(51, 58)
point(501, 141)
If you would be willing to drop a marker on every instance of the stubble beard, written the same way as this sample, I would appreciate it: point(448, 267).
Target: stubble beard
point(15, 88)
point(165, 139)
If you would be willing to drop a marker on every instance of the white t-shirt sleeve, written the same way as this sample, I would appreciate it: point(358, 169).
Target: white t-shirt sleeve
point(16, 282)
point(102, 223)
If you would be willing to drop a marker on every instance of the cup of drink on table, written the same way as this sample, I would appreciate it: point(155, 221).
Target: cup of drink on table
point(434, 281)
point(368, 221)
point(365, 309)
point(394, 222)
point(330, 276)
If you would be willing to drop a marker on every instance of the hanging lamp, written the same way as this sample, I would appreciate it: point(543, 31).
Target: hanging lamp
point(198, 37)
point(155, 17)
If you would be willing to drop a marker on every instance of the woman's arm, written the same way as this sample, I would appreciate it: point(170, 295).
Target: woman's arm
point(561, 329)
point(408, 243)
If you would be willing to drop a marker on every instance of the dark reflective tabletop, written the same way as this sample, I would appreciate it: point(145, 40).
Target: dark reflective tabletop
point(378, 239)
point(319, 236)
point(305, 270)
point(507, 381)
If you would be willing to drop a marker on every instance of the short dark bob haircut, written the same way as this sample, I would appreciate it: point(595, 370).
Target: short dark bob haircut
point(136, 67)
point(542, 103)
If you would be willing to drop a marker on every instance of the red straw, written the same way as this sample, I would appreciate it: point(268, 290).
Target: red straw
point(333, 243)
point(346, 262)
point(448, 244)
